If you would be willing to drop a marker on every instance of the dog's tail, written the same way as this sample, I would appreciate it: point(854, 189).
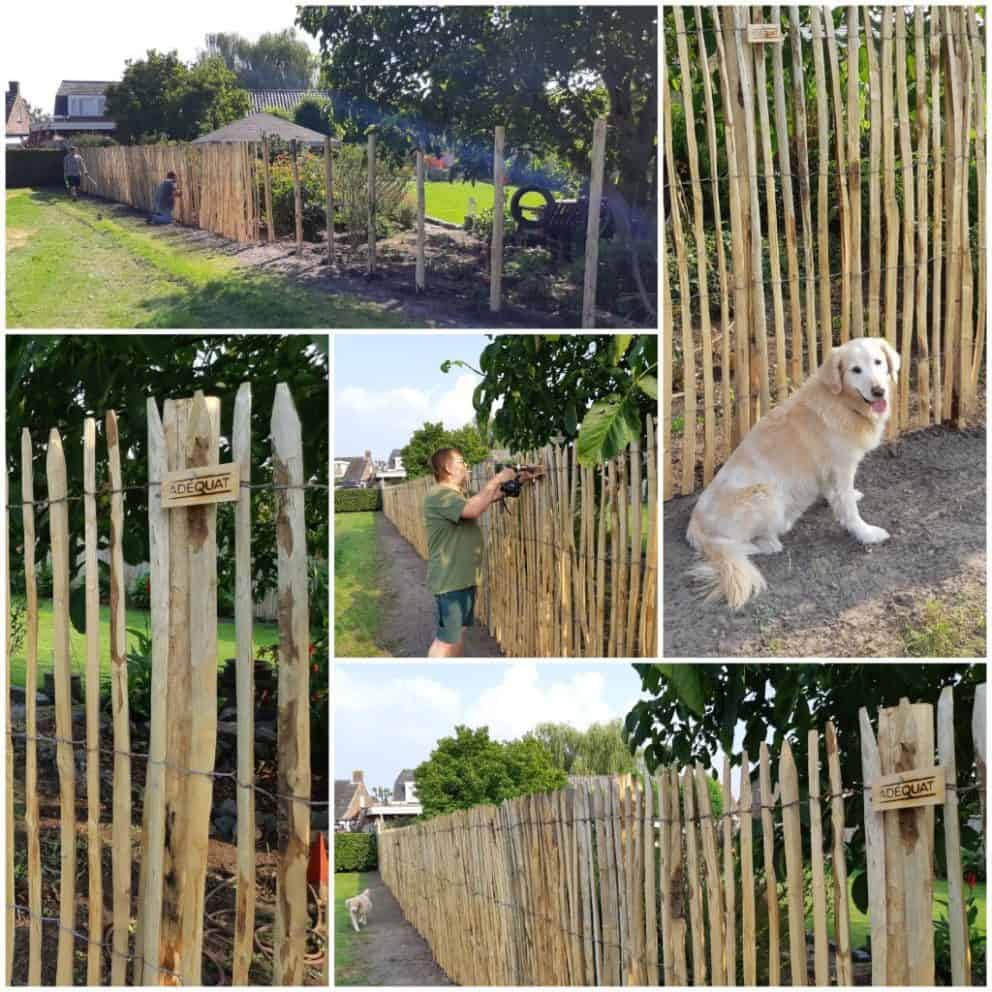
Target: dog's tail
point(725, 569)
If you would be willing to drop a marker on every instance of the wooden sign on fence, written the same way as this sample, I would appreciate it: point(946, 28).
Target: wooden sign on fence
point(923, 787)
point(196, 486)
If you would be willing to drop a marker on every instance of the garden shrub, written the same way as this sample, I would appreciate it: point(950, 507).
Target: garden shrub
point(354, 500)
point(355, 852)
point(482, 226)
point(350, 194)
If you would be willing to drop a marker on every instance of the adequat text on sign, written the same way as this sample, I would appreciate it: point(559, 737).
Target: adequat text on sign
point(920, 787)
point(195, 486)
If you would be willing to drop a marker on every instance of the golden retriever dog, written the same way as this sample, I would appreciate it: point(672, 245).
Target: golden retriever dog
point(807, 447)
point(359, 908)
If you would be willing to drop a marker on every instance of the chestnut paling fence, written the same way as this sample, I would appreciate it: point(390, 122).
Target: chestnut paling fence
point(570, 567)
point(851, 210)
point(635, 880)
point(157, 932)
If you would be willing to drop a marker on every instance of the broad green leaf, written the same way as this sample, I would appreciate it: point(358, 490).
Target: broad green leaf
point(621, 342)
point(605, 431)
point(688, 684)
point(77, 608)
point(648, 385)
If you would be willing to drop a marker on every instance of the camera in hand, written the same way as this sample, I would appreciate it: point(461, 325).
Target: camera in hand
point(512, 487)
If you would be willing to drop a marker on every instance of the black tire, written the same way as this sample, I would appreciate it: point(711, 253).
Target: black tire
point(516, 211)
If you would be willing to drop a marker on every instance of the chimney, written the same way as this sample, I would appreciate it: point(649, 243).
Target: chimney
point(15, 87)
point(368, 455)
point(358, 778)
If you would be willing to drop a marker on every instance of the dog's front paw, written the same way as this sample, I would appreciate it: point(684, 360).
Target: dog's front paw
point(857, 493)
point(873, 535)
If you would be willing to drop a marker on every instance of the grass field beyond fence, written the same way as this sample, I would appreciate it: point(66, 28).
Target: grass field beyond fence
point(357, 589)
point(449, 201)
point(138, 621)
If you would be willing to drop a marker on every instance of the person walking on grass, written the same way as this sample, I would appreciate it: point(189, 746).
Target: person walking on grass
point(165, 199)
point(73, 170)
point(454, 543)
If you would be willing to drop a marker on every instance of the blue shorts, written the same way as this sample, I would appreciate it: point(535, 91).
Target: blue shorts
point(455, 610)
point(74, 180)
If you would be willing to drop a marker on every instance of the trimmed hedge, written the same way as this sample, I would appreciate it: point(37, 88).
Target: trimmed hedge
point(353, 500)
point(355, 852)
point(34, 167)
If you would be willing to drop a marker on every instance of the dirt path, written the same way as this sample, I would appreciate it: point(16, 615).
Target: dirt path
point(409, 621)
point(828, 595)
point(396, 954)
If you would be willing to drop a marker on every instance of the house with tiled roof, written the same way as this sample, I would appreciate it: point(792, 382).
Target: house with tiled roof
point(287, 100)
point(80, 108)
point(351, 799)
point(16, 115)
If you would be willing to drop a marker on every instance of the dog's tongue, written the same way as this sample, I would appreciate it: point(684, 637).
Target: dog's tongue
point(879, 406)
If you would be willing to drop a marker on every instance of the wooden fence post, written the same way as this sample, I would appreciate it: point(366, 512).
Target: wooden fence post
point(749, 947)
point(297, 196)
point(842, 924)
point(768, 844)
point(94, 847)
point(956, 919)
point(244, 924)
point(154, 854)
point(329, 193)
point(792, 836)
point(203, 445)
point(58, 519)
point(592, 222)
point(421, 237)
point(499, 208)
point(821, 954)
point(270, 221)
point(730, 893)
point(121, 834)
point(9, 741)
point(871, 769)
point(371, 199)
point(294, 692)
point(978, 720)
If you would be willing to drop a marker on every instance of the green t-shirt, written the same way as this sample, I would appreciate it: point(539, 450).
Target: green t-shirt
point(454, 545)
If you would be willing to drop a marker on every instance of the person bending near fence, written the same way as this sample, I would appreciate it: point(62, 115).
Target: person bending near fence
point(73, 170)
point(454, 544)
point(165, 199)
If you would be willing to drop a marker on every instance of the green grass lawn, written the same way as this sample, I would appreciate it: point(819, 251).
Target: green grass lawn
point(357, 591)
point(71, 265)
point(138, 620)
point(346, 941)
point(860, 927)
point(449, 201)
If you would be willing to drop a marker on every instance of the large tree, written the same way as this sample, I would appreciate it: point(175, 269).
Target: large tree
point(454, 72)
point(427, 439)
point(56, 382)
point(600, 749)
point(695, 711)
point(160, 96)
point(470, 769)
point(278, 60)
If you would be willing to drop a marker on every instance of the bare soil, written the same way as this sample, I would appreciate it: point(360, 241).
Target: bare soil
point(457, 277)
point(830, 596)
point(409, 620)
point(396, 954)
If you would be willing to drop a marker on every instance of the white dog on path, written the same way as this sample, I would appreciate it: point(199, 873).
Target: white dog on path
point(359, 908)
point(808, 447)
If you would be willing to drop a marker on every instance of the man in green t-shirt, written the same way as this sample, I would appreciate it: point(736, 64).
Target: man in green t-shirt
point(454, 544)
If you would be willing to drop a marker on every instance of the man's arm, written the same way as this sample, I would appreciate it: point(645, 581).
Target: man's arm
point(488, 495)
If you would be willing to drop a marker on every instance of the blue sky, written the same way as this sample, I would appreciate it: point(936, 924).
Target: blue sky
point(389, 716)
point(387, 385)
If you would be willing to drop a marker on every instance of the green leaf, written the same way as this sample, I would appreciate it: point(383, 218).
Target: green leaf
point(77, 608)
point(621, 342)
point(859, 891)
point(688, 683)
point(648, 385)
point(571, 420)
point(605, 430)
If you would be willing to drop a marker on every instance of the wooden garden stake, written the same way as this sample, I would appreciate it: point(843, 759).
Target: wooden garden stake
point(294, 692)
point(871, 769)
point(371, 199)
point(421, 236)
point(749, 945)
point(154, 853)
point(58, 518)
point(329, 192)
point(94, 846)
point(842, 923)
point(821, 962)
point(768, 843)
point(597, 167)
point(9, 798)
point(499, 208)
point(244, 928)
point(270, 221)
point(297, 196)
point(792, 831)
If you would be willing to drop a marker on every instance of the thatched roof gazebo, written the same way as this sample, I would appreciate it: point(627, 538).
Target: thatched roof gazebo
point(254, 127)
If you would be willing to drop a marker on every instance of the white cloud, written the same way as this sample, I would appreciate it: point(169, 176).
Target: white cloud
point(453, 406)
point(519, 703)
point(417, 695)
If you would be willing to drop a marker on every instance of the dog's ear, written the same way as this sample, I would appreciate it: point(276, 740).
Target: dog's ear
point(832, 371)
point(892, 359)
